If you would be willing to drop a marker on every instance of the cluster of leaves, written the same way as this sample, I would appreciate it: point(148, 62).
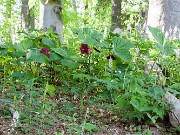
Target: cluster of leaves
point(39, 68)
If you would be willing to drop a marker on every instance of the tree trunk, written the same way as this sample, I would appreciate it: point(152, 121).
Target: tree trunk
point(74, 5)
point(7, 34)
point(50, 16)
point(27, 21)
point(165, 14)
point(116, 14)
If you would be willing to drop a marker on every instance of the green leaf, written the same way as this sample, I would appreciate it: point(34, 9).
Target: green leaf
point(23, 46)
point(81, 76)
point(123, 54)
point(140, 103)
point(35, 55)
point(50, 90)
point(31, 3)
point(147, 132)
point(89, 127)
point(54, 56)
point(120, 43)
point(61, 52)
point(50, 122)
point(89, 41)
point(48, 42)
point(157, 34)
point(121, 48)
point(69, 63)
point(17, 54)
point(18, 75)
point(123, 104)
point(103, 44)
point(152, 118)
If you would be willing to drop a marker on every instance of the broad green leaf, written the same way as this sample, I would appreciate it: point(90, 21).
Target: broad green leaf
point(81, 76)
point(50, 122)
point(54, 56)
point(141, 104)
point(23, 46)
point(48, 42)
point(69, 63)
point(121, 48)
point(89, 41)
point(35, 55)
point(120, 43)
point(157, 91)
point(123, 54)
point(50, 90)
point(17, 54)
point(122, 103)
point(103, 44)
point(168, 49)
point(61, 52)
point(3, 52)
point(18, 75)
point(157, 34)
point(89, 127)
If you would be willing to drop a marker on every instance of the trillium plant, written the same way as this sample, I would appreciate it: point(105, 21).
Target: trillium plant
point(86, 50)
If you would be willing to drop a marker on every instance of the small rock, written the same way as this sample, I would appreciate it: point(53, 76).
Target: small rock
point(117, 31)
point(174, 112)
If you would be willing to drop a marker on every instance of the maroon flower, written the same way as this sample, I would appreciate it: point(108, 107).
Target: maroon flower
point(111, 57)
point(84, 49)
point(45, 51)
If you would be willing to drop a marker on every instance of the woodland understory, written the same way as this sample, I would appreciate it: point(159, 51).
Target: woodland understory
point(84, 75)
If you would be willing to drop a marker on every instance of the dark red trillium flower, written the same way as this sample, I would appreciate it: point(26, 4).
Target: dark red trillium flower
point(45, 51)
point(111, 57)
point(84, 49)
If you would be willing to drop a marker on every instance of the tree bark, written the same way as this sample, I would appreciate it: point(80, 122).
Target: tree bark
point(27, 21)
point(50, 17)
point(165, 14)
point(74, 5)
point(116, 14)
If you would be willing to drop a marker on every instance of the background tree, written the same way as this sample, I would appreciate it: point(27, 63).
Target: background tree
point(165, 14)
point(28, 17)
point(50, 16)
point(116, 13)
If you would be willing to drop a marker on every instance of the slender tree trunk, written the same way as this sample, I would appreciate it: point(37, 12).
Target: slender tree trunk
point(74, 5)
point(27, 21)
point(8, 33)
point(85, 12)
point(116, 14)
point(50, 16)
point(165, 14)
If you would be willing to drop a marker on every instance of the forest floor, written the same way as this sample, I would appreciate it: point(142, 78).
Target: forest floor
point(111, 128)
point(106, 124)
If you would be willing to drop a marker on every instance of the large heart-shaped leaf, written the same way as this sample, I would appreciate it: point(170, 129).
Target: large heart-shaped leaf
point(69, 63)
point(121, 48)
point(35, 55)
point(23, 46)
point(157, 34)
point(61, 52)
point(121, 43)
point(123, 54)
point(48, 42)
